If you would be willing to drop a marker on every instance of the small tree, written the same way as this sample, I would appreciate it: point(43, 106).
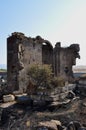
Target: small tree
point(41, 78)
point(40, 75)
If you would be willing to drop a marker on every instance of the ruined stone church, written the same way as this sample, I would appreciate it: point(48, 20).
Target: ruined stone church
point(24, 51)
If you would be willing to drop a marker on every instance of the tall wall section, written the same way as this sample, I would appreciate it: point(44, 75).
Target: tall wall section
point(64, 59)
point(23, 52)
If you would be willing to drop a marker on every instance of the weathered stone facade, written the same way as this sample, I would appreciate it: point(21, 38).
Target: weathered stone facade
point(65, 58)
point(24, 51)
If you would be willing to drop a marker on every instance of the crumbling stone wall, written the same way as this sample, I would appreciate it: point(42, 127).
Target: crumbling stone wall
point(24, 51)
point(64, 59)
point(21, 53)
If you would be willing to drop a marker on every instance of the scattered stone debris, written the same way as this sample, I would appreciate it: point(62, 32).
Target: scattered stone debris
point(8, 98)
point(71, 95)
point(48, 125)
point(23, 116)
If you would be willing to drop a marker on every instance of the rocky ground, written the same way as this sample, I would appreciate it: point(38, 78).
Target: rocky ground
point(15, 116)
point(60, 111)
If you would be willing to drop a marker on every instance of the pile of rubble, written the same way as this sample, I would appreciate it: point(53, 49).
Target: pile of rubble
point(57, 95)
point(53, 111)
point(17, 117)
point(57, 125)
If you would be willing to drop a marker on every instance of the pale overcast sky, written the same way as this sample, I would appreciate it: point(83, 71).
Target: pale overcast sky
point(54, 20)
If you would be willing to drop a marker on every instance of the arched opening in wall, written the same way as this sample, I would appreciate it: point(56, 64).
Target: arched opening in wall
point(47, 53)
point(44, 44)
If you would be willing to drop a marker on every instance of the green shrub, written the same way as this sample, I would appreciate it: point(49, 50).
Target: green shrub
point(40, 75)
point(42, 79)
point(58, 81)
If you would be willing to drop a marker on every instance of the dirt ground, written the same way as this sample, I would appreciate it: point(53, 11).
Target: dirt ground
point(25, 117)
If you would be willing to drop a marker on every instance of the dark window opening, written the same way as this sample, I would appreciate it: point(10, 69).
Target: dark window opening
point(66, 70)
point(34, 45)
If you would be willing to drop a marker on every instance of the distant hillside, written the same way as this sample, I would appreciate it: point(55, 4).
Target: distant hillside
point(3, 70)
point(3, 66)
point(79, 69)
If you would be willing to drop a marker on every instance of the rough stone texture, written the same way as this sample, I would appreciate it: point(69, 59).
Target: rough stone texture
point(49, 125)
point(24, 51)
point(14, 116)
point(64, 59)
point(8, 98)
